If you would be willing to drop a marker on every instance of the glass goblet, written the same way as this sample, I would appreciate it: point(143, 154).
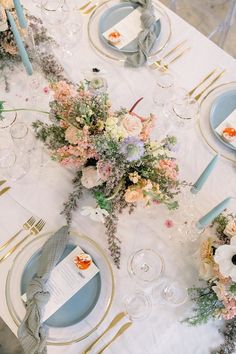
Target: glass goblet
point(22, 137)
point(145, 266)
point(138, 305)
point(7, 118)
point(164, 88)
point(13, 167)
point(170, 291)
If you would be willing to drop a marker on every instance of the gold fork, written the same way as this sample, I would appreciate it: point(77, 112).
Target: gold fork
point(166, 66)
point(2, 182)
point(33, 231)
point(115, 320)
point(118, 334)
point(209, 85)
point(26, 226)
point(84, 6)
point(4, 190)
point(157, 63)
point(90, 9)
point(202, 82)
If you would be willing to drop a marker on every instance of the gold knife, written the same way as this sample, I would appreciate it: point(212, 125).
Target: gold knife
point(115, 320)
point(2, 182)
point(118, 334)
point(4, 190)
point(210, 84)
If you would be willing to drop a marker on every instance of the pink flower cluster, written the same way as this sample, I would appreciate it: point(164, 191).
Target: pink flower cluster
point(229, 311)
point(169, 167)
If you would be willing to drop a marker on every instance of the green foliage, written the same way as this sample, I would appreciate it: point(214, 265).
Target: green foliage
point(207, 305)
point(221, 221)
point(52, 135)
point(1, 109)
point(102, 201)
point(232, 288)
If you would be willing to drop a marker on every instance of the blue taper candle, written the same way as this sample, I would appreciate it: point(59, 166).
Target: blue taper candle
point(20, 14)
point(20, 45)
point(204, 175)
point(212, 214)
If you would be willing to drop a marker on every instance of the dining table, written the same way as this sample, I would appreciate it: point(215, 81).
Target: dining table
point(43, 190)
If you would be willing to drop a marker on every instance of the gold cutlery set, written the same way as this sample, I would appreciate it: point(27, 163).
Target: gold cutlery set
point(162, 65)
point(87, 9)
point(113, 323)
point(5, 189)
point(30, 225)
point(209, 79)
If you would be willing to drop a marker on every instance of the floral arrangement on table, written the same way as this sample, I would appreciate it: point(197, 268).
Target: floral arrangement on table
point(217, 298)
point(111, 153)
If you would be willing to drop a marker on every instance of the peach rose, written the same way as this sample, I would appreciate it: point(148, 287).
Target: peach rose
point(230, 229)
point(132, 125)
point(72, 134)
point(90, 177)
point(133, 195)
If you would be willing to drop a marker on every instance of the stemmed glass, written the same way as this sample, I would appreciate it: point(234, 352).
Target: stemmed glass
point(22, 137)
point(164, 88)
point(182, 110)
point(169, 291)
point(13, 167)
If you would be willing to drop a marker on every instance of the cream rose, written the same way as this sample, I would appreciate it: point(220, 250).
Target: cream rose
point(206, 271)
point(132, 125)
point(90, 177)
point(230, 229)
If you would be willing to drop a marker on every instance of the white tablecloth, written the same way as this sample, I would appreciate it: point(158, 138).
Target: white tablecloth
point(42, 192)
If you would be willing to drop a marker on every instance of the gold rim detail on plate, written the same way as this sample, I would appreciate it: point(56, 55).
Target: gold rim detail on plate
point(122, 60)
point(72, 233)
point(199, 124)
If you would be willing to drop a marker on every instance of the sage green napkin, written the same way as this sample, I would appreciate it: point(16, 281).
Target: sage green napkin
point(32, 333)
point(147, 37)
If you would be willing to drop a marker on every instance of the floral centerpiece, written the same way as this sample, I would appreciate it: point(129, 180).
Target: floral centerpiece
point(111, 153)
point(217, 298)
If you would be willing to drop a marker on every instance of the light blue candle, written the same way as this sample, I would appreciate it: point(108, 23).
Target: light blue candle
point(205, 174)
point(212, 214)
point(20, 14)
point(20, 45)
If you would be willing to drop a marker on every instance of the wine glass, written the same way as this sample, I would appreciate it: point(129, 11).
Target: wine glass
point(183, 110)
point(137, 305)
point(22, 137)
point(145, 266)
point(13, 167)
point(164, 88)
point(7, 118)
point(170, 291)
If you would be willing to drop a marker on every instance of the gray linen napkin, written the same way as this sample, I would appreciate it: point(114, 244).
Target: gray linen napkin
point(32, 333)
point(147, 37)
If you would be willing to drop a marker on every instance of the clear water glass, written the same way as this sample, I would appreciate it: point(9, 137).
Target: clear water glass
point(183, 110)
point(164, 88)
point(7, 118)
point(13, 167)
point(170, 291)
point(22, 137)
point(145, 266)
point(137, 305)
point(54, 12)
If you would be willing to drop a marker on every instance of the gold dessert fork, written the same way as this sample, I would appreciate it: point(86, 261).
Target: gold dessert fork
point(202, 82)
point(115, 320)
point(118, 334)
point(26, 226)
point(84, 6)
point(33, 231)
point(87, 12)
point(209, 85)
point(4, 190)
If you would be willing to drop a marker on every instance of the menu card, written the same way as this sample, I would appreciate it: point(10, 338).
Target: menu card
point(229, 122)
point(67, 278)
point(128, 28)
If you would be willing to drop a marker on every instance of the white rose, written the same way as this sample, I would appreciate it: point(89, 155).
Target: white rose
point(230, 229)
point(132, 125)
point(90, 177)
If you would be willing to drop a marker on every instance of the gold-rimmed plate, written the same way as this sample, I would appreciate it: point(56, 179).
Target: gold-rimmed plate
point(100, 47)
point(204, 123)
point(84, 312)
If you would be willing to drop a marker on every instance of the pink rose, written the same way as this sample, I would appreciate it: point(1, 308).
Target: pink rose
point(132, 125)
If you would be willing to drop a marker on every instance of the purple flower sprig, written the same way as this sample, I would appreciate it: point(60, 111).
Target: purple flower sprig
point(132, 148)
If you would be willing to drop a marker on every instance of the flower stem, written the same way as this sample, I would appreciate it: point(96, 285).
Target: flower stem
point(24, 109)
point(134, 105)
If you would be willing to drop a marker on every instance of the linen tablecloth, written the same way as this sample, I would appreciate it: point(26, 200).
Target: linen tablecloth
point(42, 192)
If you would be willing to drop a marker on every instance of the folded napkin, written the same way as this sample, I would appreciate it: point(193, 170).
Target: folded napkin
point(32, 333)
point(147, 37)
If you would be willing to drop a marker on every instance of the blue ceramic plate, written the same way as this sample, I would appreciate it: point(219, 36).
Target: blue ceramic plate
point(114, 15)
point(220, 110)
point(83, 301)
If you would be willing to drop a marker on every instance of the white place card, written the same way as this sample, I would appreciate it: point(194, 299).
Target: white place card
point(129, 28)
point(66, 280)
point(229, 122)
